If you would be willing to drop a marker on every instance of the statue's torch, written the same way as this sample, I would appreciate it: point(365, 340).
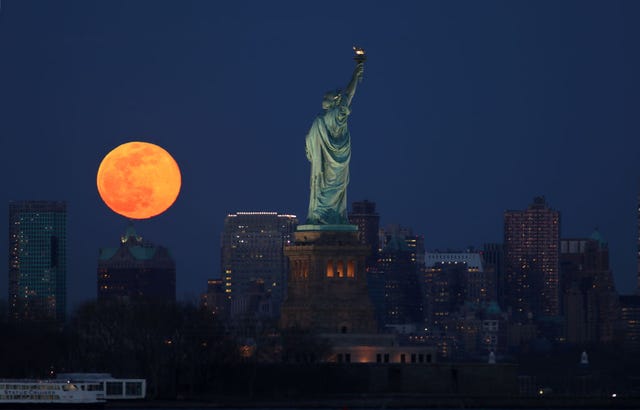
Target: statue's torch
point(359, 55)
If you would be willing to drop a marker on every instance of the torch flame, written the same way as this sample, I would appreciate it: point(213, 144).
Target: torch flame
point(359, 51)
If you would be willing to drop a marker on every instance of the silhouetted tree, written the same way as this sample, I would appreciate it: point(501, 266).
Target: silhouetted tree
point(303, 346)
point(173, 346)
point(31, 350)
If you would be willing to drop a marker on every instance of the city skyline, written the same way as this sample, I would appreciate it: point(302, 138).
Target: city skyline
point(464, 112)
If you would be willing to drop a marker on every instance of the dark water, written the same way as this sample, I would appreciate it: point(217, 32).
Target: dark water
point(357, 408)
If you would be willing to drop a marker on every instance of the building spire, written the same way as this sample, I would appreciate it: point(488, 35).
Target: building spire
point(130, 232)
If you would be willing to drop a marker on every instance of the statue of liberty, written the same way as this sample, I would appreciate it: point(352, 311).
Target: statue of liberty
point(328, 147)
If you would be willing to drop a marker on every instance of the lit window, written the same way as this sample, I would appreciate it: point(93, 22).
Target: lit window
point(351, 269)
point(330, 268)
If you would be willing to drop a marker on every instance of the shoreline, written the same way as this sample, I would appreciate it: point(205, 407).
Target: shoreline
point(391, 401)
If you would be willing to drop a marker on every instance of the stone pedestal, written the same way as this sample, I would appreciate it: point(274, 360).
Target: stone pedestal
point(327, 284)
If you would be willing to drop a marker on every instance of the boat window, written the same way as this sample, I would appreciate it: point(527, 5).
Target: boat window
point(95, 387)
point(114, 388)
point(69, 387)
point(133, 388)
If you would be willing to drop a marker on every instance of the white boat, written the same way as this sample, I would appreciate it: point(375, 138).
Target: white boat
point(112, 388)
point(21, 393)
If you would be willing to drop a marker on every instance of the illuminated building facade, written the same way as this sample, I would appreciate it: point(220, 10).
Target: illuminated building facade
point(37, 260)
point(400, 261)
point(452, 279)
point(478, 279)
point(216, 300)
point(379, 348)
point(630, 317)
point(531, 246)
point(443, 291)
point(252, 251)
point(136, 271)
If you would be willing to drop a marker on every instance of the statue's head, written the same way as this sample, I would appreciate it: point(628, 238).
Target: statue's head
point(331, 99)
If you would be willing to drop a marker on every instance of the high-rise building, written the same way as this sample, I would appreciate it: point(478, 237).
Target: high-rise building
point(252, 251)
point(400, 261)
point(531, 246)
point(364, 215)
point(443, 291)
point(590, 301)
point(630, 320)
point(452, 279)
point(215, 300)
point(136, 271)
point(638, 245)
point(493, 256)
point(37, 260)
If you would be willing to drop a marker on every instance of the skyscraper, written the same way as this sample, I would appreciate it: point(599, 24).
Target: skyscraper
point(452, 279)
point(493, 256)
point(37, 260)
point(443, 293)
point(531, 246)
point(136, 270)
point(363, 214)
point(590, 301)
point(400, 261)
point(638, 245)
point(252, 251)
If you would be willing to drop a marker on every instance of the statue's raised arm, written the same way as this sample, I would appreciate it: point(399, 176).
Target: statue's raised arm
point(328, 147)
point(355, 79)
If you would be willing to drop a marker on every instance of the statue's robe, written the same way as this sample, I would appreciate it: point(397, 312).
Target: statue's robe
point(328, 146)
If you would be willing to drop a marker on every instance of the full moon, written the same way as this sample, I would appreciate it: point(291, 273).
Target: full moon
point(138, 180)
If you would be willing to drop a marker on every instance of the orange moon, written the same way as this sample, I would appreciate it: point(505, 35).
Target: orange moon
point(139, 180)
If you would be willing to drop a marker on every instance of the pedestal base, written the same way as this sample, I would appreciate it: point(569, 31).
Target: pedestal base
point(327, 286)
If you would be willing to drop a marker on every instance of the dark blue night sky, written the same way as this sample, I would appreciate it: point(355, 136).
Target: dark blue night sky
point(467, 109)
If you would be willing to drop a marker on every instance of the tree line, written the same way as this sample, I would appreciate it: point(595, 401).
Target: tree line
point(179, 348)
